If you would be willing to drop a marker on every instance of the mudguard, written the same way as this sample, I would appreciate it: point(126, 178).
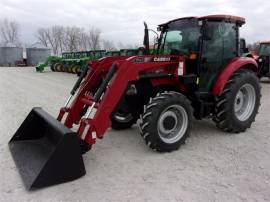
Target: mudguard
point(229, 69)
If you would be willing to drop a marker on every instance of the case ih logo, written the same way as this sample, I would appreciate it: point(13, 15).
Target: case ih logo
point(162, 59)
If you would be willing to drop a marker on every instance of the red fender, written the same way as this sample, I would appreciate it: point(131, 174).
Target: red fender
point(229, 69)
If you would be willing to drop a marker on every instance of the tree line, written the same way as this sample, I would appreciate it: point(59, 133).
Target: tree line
point(65, 38)
point(69, 39)
point(57, 37)
point(9, 32)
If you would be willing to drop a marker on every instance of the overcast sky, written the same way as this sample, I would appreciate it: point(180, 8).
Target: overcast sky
point(123, 20)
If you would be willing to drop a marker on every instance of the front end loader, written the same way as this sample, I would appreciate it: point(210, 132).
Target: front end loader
point(197, 71)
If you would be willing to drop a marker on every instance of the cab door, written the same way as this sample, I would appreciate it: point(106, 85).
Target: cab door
point(217, 52)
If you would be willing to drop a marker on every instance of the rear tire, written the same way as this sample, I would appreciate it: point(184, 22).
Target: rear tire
point(166, 121)
point(237, 106)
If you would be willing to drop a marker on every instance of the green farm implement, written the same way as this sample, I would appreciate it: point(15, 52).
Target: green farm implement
point(51, 61)
point(71, 62)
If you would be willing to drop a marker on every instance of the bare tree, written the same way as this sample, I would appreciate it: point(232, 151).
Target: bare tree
point(42, 37)
point(132, 46)
point(108, 45)
point(59, 36)
point(52, 37)
point(83, 41)
point(9, 32)
point(94, 38)
point(120, 45)
point(50, 34)
point(73, 38)
point(69, 39)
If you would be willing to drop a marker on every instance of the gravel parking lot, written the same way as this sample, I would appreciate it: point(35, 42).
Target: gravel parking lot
point(212, 166)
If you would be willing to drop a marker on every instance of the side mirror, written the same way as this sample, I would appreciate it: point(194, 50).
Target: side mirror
point(146, 38)
point(208, 32)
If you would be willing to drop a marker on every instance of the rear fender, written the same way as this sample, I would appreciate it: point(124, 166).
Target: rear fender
point(229, 69)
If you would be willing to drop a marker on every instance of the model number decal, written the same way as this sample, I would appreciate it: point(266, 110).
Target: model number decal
point(162, 59)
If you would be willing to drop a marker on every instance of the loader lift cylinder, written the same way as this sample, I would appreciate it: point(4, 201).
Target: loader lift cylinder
point(77, 84)
point(104, 83)
point(102, 88)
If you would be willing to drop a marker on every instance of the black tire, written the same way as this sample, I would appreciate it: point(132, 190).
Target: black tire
point(150, 121)
point(52, 67)
point(58, 67)
point(74, 69)
point(121, 121)
point(69, 68)
point(65, 68)
point(225, 116)
point(79, 70)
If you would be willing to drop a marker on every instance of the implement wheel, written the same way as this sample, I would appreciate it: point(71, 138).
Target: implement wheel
point(78, 69)
point(58, 67)
point(74, 69)
point(64, 68)
point(52, 67)
point(69, 68)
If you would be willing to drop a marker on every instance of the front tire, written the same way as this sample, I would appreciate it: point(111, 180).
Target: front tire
point(166, 121)
point(122, 120)
point(238, 104)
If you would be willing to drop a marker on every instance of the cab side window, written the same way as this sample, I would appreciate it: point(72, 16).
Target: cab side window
point(217, 51)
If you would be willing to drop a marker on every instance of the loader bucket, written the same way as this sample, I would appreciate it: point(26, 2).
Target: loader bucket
point(45, 151)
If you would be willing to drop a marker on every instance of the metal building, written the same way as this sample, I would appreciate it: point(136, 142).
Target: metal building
point(10, 55)
point(37, 55)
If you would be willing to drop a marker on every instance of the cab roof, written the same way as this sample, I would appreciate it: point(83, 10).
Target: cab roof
point(264, 42)
point(230, 18)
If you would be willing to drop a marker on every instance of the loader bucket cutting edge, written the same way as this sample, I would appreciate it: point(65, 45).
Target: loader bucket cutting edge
point(45, 151)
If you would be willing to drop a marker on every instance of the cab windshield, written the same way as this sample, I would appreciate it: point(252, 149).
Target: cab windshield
point(180, 37)
point(264, 49)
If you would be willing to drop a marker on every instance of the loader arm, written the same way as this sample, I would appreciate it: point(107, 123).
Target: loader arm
point(127, 70)
point(97, 69)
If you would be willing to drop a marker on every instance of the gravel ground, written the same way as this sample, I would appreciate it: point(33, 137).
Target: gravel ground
point(212, 166)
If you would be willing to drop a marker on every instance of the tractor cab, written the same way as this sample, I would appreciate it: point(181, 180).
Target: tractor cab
point(207, 43)
point(264, 49)
point(264, 59)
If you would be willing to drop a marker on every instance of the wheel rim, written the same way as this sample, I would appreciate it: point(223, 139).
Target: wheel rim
point(77, 69)
point(172, 124)
point(55, 67)
point(123, 117)
point(74, 69)
point(244, 102)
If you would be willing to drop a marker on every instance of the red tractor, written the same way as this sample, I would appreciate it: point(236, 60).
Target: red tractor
point(264, 59)
point(198, 72)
